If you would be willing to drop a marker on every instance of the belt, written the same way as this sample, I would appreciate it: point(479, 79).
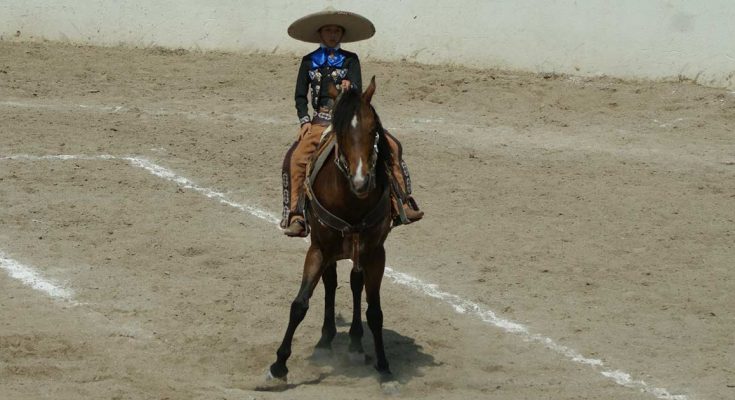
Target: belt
point(323, 116)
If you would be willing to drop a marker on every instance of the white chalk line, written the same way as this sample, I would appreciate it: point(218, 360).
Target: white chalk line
point(163, 112)
point(459, 304)
point(499, 136)
point(160, 112)
point(29, 276)
point(463, 306)
point(167, 174)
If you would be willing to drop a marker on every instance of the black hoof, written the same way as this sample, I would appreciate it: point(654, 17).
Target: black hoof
point(385, 374)
point(278, 371)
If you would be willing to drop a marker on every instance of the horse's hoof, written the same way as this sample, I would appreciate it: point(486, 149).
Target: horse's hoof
point(357, 358)
point(272, 379)
point(277, 373)
point(391, 387)
point(384, 371)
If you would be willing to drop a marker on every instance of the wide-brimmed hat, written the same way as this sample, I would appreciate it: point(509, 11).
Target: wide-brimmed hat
point(356, 26)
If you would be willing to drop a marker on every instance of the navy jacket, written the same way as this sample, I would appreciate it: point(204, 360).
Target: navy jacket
point(315, 68)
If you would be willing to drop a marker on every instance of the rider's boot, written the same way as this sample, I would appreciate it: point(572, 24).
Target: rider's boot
point(411, 214)
point(297, 227)
point(405, 209)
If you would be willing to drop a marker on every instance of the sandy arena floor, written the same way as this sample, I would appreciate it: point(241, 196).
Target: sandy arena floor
point(596, 214)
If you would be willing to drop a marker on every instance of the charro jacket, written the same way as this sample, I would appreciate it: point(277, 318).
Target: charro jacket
point(317, 66)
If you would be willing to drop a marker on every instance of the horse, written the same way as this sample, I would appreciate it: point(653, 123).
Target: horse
point(349, 215)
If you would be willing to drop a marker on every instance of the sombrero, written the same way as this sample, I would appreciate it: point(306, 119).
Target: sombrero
point(356, 26)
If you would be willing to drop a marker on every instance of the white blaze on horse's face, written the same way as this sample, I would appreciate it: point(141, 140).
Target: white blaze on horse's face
point(360, 177)
point(358, 181)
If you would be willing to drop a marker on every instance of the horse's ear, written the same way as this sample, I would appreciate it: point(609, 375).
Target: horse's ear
point(332, 89)
point(368, 95)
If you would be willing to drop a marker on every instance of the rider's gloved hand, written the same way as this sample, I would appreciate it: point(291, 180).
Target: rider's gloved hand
point(304, 129)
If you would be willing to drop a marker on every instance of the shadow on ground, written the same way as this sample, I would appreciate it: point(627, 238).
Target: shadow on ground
point(407, 359)
point(405, 356)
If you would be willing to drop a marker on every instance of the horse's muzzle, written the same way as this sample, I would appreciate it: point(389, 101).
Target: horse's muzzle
point(362, 187)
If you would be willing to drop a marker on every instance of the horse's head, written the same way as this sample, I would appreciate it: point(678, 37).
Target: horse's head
point(358, 131)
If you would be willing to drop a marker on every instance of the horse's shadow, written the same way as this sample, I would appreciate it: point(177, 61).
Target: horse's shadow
point(406, 357)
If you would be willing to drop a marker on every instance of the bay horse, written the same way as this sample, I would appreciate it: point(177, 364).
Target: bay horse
point(349, 216)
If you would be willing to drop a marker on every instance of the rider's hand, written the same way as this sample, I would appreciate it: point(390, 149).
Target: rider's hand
point(304, 128)
point(346, 84)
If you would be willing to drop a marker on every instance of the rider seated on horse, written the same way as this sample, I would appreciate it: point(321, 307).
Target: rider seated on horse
point(330, 62)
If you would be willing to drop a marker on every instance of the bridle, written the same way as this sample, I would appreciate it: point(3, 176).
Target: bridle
point(375, 216)
point(344, 167)
point(341, 161)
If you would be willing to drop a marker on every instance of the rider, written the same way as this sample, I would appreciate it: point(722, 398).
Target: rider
point(330, 28)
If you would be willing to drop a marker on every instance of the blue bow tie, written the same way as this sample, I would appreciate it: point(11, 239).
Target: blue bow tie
point(326, 57)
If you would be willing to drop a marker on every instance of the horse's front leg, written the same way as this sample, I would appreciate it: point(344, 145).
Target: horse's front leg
point(357, 281)
point(329, 328)
point(313, 269)
point(374, 268)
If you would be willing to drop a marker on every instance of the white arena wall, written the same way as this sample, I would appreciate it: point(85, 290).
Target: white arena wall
point(652, 39)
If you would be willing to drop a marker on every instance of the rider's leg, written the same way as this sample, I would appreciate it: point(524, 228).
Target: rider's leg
point(293, 180)
point(403, 179)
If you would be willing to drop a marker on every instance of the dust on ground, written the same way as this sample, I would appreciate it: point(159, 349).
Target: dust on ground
point(596, 212)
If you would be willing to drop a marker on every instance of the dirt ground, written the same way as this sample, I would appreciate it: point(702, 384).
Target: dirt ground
point(598, 213)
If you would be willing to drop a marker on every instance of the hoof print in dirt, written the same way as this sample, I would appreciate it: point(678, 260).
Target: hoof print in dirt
point(273, 383)
point(321, 355)
point(358, 358)
point(390, 387)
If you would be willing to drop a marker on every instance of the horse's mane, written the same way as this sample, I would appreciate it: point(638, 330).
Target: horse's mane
point(385, 160)
point(347, 105)
point(344, 111)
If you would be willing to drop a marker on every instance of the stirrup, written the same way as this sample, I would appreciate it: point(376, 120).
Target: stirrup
point(297, 228)
point(413, 215)
point(408, 212)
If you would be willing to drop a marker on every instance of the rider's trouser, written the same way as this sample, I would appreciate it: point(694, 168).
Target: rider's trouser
point(294, 173)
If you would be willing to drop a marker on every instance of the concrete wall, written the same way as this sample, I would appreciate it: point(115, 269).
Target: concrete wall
point(628, 38)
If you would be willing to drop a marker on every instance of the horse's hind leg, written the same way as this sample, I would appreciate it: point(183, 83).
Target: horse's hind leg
point(357, 281)
point(329, 328)
point(374, 269)
point(312, 271)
